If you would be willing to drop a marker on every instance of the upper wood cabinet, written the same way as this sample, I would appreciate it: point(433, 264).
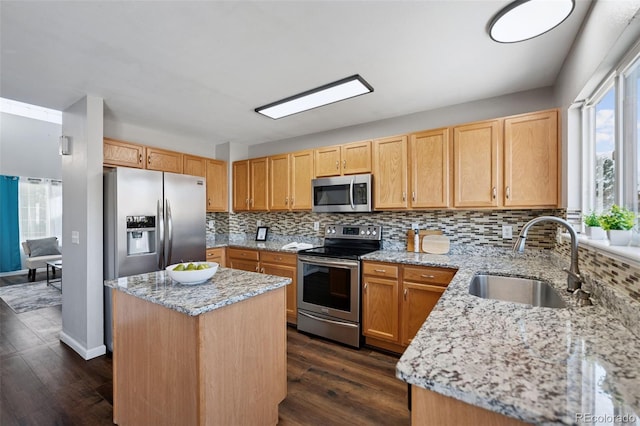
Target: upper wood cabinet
point(164, 160)
point(195, 166)
point(531, 160)
point(250, 184)
point(348, 159)
point(290, 181)
point(217, 186)
point(390, 164)
point(120, 153)
point(511, 163)
point(430, 166)
point(476, 154)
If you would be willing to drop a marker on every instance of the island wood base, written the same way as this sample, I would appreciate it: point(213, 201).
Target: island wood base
point(431, 408)
point(225, 367)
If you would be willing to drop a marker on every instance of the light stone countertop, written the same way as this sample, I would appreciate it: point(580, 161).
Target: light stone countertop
point(226, 287)
point(539, 365)
point(250, 243)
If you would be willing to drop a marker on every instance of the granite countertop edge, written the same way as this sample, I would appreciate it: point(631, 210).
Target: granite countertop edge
point(226, 287)
point(458, 358)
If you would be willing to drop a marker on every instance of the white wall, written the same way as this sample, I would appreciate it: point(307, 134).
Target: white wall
point(515, 103)
point(151, 137)
point(82, 298)
point(29, 147)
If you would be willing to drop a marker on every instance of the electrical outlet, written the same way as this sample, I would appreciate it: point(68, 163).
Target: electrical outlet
point(316, 226)
point(75, 237)
point(210, 223)
point(258, 222)
point(415, 225)
point(507, 232)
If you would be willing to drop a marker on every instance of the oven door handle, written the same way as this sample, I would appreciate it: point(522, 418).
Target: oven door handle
point(323, 261)
point(341, 323)
point(353, 206)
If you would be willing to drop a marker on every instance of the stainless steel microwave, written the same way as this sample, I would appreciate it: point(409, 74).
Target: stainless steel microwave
point(343, 194)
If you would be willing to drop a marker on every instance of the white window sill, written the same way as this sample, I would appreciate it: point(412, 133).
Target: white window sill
point(626, 254)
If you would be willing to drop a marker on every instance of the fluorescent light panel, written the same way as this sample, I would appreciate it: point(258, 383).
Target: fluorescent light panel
point(526, 19)
point(324, 95)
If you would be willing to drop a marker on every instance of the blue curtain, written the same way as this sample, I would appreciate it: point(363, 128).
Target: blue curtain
point(9, 225)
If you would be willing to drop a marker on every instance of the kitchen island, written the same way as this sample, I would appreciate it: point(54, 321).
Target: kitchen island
point(212, 353)
point(506, 363)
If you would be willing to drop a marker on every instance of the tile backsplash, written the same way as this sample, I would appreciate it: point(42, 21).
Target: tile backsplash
point(463, 227)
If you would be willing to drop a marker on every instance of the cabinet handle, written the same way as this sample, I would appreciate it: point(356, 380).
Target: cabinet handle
point(262, 270)
point(382, 271)
point(365, 286)
point(209, 201)
point(251, 201)
point(404, 196)
point(140, 159)
point(148, 159)
point(291, 201)
point(257, 269)
point(286, 201)
point(494, 193)
point(344, 164)
point(246, 201)
point(413, 195)
point(337, 165)
point(508, 191)
point(279, 258)
point(427, 276)
point(405, 294)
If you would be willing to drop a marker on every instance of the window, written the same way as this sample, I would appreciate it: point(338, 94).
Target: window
point(40, 205)
point(612, 121)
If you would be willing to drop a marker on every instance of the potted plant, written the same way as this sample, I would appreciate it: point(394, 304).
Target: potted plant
point(618, 222)
point(592, 227)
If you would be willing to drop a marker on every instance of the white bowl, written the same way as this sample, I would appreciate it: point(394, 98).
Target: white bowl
point(195, 276)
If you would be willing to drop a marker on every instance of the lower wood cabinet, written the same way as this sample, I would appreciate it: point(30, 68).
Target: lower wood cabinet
point(272, 263)
point(218, 255)
point(396, 300)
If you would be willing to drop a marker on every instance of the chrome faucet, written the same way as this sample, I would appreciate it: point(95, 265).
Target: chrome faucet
point(574, 280)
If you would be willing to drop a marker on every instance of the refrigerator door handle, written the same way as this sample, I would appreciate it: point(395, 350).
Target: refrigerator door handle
point(169, 233)
point(160, 236)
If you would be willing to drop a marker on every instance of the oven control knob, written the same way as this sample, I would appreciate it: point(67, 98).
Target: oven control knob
point(373, 232)
point(362, 232)
point(368, 232)
point(333, 231)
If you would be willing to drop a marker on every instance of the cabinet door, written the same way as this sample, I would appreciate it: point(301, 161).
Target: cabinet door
point(288, 272)
point(119, 153)
point(356, 158)
point(240, 185)
point(279, 182)
point(217, 186)
point(217, 255)
point(390, 173)
point(430, 159)
point(476, 152)
point(195, 166)
point(163, 160)
point(531, 160)
point(259, 184)
point(301, 174)
point(380, 308)
point(417, 302)
point(328, 161)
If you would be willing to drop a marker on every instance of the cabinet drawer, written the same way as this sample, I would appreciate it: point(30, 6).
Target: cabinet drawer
point(278, 257)
point(428, 275)
point(243, 254)
point(380, 270)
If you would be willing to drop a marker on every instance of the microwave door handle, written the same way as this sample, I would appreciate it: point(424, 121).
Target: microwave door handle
point(353, 207)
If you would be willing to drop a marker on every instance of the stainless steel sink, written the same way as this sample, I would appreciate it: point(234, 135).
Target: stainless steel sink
point(513, 289)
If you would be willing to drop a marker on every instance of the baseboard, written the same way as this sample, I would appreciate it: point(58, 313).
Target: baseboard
point(85, 353)
point(11, 273)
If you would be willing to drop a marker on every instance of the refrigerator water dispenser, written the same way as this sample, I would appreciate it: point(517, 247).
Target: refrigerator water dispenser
point(141, 235)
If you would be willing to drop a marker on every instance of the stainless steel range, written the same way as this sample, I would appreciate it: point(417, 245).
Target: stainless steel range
point(329, 282)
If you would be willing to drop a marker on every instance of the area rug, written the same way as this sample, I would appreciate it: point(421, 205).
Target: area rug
point(29, 297)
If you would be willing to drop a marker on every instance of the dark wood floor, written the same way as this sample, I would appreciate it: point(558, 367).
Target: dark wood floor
point(43, 382)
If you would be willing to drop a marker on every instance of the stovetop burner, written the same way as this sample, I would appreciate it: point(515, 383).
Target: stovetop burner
point(348, 241)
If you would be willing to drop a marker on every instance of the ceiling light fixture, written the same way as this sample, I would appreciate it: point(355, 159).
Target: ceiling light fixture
point(324, 95)
point(526, 19)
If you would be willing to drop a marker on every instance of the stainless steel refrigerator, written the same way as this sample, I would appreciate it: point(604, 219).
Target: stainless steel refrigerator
point(152, 219)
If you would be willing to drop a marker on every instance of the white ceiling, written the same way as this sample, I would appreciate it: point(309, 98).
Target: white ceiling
point(201, 68)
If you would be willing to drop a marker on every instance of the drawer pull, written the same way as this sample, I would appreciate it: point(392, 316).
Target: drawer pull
point(427, 276)
point(257, 269)
point(262, 270)
point(405, 294)
point(382, 271)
